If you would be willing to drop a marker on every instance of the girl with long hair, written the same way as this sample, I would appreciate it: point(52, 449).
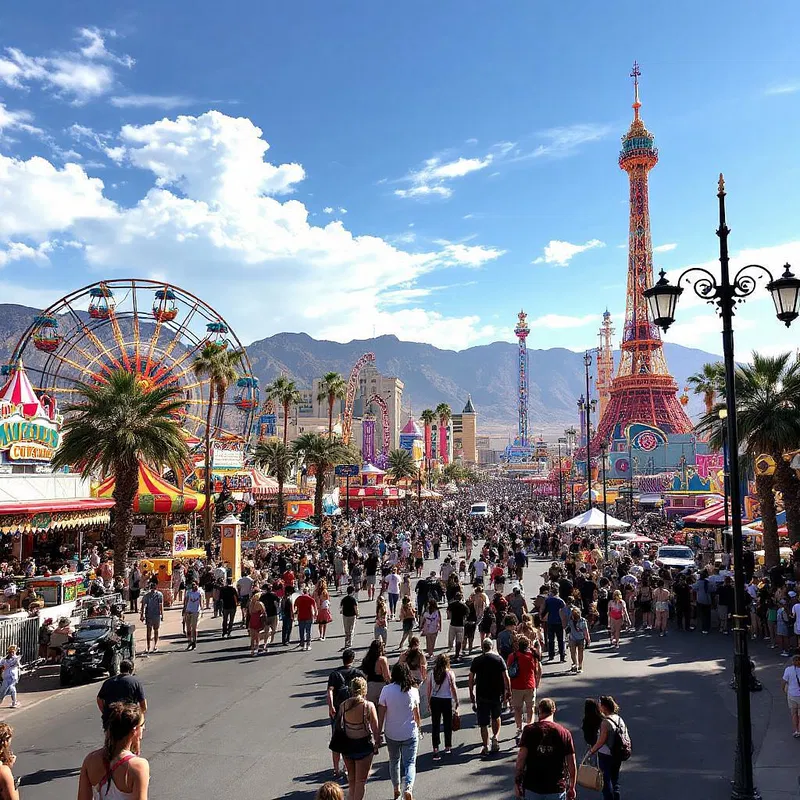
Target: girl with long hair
point(256, 619)
point(359, 720)
point(323, 601)
point(443, 700)
point(617, 616)
point(381, 630)
point(431, 626)
point(414, 659)
point(399, 720)
point(116, 771)
point(407, 616)
point(8, 787)
point(375, 667)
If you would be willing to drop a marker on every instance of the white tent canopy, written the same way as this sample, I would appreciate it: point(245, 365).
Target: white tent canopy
point(595, 519)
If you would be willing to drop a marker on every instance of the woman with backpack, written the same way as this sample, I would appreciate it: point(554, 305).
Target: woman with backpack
point(613, 746)
point(358, 721)
point(578, 630)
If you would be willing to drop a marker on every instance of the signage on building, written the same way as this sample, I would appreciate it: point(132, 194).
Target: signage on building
point(26, 440)
point(41, 520)
point(227, 457)
point(346, 470)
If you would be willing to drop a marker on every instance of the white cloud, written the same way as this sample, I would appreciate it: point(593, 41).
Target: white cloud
point(227, 236)
point(561, 253)
point(327, 210)
point(784, 88)
point(19, 251)
point(79, 75)
point(430, 179)
point(16, 120)
point(342, 210)
point(564, 141)
point(664, 248)
point(167, 102)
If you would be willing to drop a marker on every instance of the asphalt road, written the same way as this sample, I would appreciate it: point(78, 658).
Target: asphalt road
point(222, 722)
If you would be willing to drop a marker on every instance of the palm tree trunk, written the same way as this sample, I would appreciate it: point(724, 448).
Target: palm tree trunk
point(126, 483)
point(330, 418)
point(318, 491)
point(281, 505)
point(207, 519)
point(285, 423)
point(709, 399)
point(789, 487)
point(766, 498)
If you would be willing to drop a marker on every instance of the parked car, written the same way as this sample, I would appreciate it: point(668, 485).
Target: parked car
point(96, 649)
point(675, 556)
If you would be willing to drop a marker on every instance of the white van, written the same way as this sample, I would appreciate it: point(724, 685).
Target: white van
point(480, 510)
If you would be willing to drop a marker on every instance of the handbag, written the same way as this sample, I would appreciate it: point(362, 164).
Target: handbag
point(589, 776)
point(456, 726)
point(513, 668)
point(339, 742)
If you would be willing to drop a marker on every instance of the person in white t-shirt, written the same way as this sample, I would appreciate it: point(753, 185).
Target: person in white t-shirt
point(399, 721)
point(244, 586)
point(795, 612)
point(393, 590)
point(192, 605)
point(791, 688)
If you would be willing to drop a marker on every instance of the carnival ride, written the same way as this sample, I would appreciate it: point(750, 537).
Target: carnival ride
point(643, 390)
point(146, 327)
point(352, 388)
point(382, 458)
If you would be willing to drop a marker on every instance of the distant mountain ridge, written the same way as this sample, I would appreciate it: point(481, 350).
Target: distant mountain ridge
point(431, 375)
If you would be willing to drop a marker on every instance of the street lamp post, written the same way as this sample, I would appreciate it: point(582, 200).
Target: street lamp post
point(587, 406)
point(603, 450)
point(561, 441)
point(723, 415)
point(725, 294)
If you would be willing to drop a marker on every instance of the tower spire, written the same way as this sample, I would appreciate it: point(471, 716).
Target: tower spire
point(636, 74)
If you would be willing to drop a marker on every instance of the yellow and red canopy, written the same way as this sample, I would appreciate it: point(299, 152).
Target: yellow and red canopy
point(155, 495)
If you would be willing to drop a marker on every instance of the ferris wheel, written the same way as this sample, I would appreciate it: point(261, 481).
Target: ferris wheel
point(147, 327)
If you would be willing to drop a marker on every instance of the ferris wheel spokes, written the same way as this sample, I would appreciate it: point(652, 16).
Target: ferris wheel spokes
point(90, 335)
point(183, 326)
point(112, 318)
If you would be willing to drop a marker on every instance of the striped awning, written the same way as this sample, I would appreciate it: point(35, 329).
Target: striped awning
point(155, 495)
point(712, 516)
point(54, 515)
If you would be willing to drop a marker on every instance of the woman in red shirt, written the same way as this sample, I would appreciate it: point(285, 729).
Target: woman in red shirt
point(524, 670)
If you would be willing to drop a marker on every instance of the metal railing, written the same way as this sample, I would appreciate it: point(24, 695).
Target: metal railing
point(24, 633)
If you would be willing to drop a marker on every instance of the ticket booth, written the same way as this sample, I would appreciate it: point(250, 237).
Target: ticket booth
point(230, 530)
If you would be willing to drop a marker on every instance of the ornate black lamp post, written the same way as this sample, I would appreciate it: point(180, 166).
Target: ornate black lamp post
point(725, 294)
point(561, 440)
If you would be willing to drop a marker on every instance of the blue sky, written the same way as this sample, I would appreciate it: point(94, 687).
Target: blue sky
point(423, 169)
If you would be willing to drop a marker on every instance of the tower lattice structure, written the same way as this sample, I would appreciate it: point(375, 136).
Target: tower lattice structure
point(605, 362)
point(643, 390)
point(522, 330)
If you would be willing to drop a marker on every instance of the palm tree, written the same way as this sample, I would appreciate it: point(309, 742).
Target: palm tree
point(285, 393)
point(278, 460)
point(332, 387)
point(401, 465)
point(219, 366)
point(768, 416)
point(454, 472)
point(709, 383)
point(112, 428)
point(322, 455)
point(445, 415)
point(428, 417)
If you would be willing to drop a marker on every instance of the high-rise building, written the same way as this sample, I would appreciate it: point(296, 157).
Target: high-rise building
point(643, 393)
point(465, 434)
point(370, 384)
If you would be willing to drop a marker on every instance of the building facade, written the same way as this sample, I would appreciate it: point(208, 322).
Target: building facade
point(465, 434)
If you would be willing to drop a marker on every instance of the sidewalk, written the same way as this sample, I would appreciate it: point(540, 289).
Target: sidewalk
point(44, 683)
point(777, 762)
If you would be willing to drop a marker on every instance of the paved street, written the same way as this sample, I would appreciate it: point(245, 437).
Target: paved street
point(220, 721)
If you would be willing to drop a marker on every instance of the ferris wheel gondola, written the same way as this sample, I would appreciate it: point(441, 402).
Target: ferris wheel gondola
point(147, 327)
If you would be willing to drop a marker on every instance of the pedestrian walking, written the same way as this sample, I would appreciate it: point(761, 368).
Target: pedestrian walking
point(610, 746)
point(8, 786)
point(546, 768)
point(661, 597)
point(121, 688)
point(489, 685)
point(457, 613)
point(117, 771)
point(359, 724)
point(10, 667)
point(152, 613)
point(431, 625)
point(791, 688)
point(245, 586)
point(256, 619)
point(399, 721)
point(380, 630)
point(375, 667)
point(393, 591)
point(287, 616)
point(617, 617)
point(338, 691)
point(524, 672)
point(407, 617)
point(192, 609)
point(553, 606)
point(592, 720)
point(305, 611)
point(348, 608)
point(579, 638)
point(272, 603)
point(323, 600)
point(134, 587)
point(443, 703)
point(229, 600)
point(414, 658)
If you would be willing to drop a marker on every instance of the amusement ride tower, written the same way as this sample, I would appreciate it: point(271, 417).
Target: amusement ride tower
point(522, 330)
point(605, 362)
point(643, 390)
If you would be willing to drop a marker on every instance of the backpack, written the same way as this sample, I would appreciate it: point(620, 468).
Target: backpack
point(341, 692)
point(621, 745)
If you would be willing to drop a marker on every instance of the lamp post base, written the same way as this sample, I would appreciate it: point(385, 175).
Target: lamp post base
point(738, 790)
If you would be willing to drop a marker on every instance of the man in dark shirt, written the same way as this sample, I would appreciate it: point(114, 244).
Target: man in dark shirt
point(488, 685)
point(271, 603)
point(422, 597)
point(725, 603)
point(457, 614)
point(546, 758)
point(122, 688)
point(565, 588)
point(349, 611)
point(555, 627)
point(229, 598)
point(370, 571)
point(339, 690)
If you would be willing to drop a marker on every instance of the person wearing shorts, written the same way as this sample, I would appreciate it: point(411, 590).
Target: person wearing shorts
point(152, 613)
point(791, 688)
point(527, 670)
point(488, 686)
point(192, 603)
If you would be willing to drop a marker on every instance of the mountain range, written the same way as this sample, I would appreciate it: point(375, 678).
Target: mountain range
point(431, 376)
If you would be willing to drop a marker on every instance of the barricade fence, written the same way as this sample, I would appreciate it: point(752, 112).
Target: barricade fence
point(24, 633)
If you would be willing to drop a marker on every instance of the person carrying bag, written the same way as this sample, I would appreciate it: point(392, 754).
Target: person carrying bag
point(589, 776)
